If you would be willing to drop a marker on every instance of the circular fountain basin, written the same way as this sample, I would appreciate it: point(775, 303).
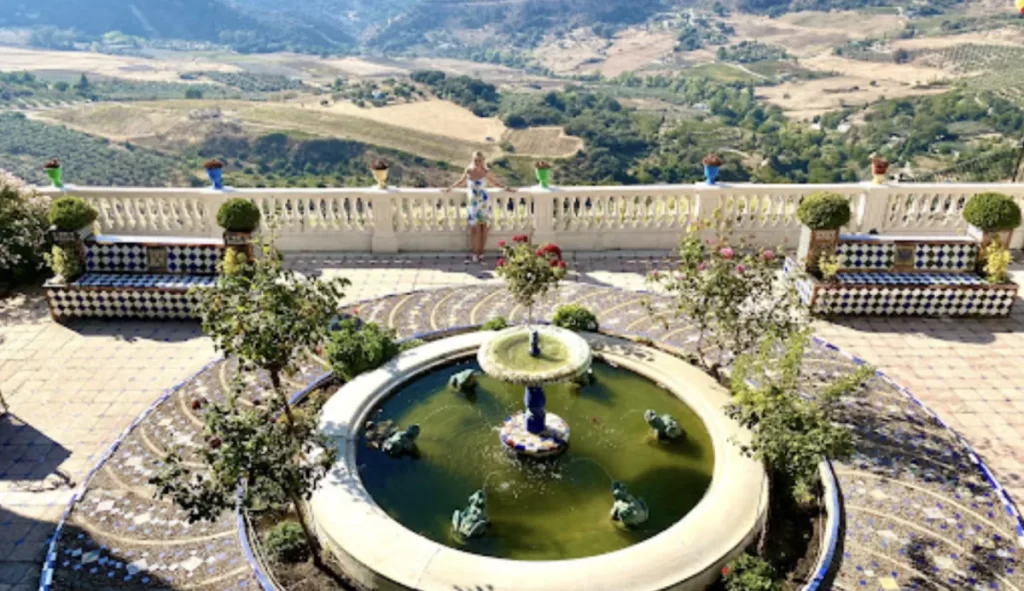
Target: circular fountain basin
point(365, 533)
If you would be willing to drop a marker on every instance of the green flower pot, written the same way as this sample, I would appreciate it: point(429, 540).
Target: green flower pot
point(544, 177)
point(55, 177)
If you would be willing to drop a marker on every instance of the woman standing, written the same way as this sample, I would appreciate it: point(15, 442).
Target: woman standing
point(479, 209)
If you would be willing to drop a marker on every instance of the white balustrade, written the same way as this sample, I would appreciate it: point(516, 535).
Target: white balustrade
point(578, 218)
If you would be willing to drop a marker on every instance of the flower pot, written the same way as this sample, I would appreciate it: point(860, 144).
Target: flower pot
point(216, 177)
point(239, 241)
point(814, 244)
point(711, 173)
point(55, 175)
point(985, 239)
point(544, 177)
point(381, 176)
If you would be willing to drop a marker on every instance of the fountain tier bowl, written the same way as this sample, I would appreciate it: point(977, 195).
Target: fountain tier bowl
point(383, 554)
point(564, 355)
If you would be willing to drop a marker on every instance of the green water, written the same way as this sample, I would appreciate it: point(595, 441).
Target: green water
point(541, 509)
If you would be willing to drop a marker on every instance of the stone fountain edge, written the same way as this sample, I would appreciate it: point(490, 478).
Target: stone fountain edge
point(382, 554)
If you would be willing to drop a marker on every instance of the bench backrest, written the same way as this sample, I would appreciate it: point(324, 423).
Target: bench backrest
point(152, 254)
point(907, 254)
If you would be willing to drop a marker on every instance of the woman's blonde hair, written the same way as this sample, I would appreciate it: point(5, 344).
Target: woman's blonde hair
point(478, 155)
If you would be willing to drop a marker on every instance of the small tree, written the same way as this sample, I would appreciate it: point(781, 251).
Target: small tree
point(267, 315)
point(791, 432)
point(278, 463)
point(354, 347)
point(530, 271)
point(733, 299)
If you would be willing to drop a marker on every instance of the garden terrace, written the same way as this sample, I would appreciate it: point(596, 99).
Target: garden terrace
point(577, 218)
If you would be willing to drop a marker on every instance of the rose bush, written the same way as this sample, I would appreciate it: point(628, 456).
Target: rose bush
point(530, 271)
point(23, 226)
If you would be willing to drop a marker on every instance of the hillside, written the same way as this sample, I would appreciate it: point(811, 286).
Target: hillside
point(59, 23)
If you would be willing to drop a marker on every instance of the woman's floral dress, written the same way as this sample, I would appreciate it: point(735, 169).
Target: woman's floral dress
point(479, 210)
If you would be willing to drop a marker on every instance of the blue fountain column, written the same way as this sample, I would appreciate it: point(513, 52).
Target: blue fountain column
point(534, 343)
point(535, 415)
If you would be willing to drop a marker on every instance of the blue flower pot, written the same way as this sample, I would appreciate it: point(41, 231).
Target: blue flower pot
point(711, 174)
point(216, 177)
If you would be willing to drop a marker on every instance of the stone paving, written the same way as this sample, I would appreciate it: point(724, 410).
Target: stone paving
point(913, 522)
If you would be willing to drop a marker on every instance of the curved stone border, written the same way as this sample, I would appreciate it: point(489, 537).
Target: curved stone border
point(1008, 504)
point(46, 577)
point(687, 556)
point(833, 520)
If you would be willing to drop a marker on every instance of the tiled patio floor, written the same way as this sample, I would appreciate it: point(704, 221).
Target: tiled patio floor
point(73, 389)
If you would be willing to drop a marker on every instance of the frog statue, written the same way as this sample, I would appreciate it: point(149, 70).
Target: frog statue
point(584, 379)
point(471, 521)
point(401, 442)
point(627, 509)
point(664, 426)
point(464, 381)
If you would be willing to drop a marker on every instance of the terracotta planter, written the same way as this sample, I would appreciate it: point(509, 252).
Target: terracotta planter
point(985, 239)
point(239, 241)
point(814, 244)
point(879, 168)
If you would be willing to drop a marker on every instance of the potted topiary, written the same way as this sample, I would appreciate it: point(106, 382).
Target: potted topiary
point(879, 166)
point(71, 220)
point(215, 170)
point(712, 164)
point(379, 168)
point(239, 218)
point(991, 217)
point(53, 171)
point(822, 214)
point(543, 171)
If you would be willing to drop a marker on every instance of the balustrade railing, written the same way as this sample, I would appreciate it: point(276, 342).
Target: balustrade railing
point(578, 218)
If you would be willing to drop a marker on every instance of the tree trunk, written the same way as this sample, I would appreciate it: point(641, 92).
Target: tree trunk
point(311, 539)
point(275, 379)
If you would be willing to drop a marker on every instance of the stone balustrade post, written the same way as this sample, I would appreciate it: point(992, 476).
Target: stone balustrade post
point(382, 204)
point(543, 220)
point(870, 212)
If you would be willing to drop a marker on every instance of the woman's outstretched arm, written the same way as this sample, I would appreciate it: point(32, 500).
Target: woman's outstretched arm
point(462, 180)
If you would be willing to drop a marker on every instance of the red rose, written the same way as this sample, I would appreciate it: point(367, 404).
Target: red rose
point(552, 249)
point(501, 244)
point(520, 238)
point(215, 443)
point(725, 571)
point(197, 404)
point(501, 262)
point(561, 264)
point(554, 263)
point(539, 252)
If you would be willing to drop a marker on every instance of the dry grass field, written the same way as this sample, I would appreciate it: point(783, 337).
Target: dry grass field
point(435, 130)
point(806, 34)
point(805, 99)
point(14, 59)
point(582, 52)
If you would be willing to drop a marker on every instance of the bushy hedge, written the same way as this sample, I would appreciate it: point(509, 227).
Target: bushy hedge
point(992, 212)
point(71, 213)
point(355, 347)
point(498, 323)
point(23, 224)
point(286, 542)
point(824, 211)
point(576, 318)
point(239, 215)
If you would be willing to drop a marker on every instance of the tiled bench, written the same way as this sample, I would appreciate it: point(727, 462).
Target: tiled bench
point(906, 276)
point(137, 277)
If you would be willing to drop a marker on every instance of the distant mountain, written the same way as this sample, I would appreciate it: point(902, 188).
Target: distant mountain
point(194, 20)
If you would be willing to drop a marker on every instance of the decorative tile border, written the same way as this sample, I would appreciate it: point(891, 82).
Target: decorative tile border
point(49, 565)
point(136, 255)
point(129, 302)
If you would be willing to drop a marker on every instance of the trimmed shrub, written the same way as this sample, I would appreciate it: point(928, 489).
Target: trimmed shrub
point(69, 214)
point(824, 211)
point(286, 542)
point(750, 573)
point(576, 318)
point(23, 225)
point(239, 215)
point(355, 347)
point(498, 323)
point(992, 212)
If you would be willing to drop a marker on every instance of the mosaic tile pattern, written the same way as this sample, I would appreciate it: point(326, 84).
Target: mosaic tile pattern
point(902, 279)
point(120, 303)
point(860, 255)
point(908, 301)
point(952, 257)
point(126, 281)
point(115, 258)
point(195, 260)
point(920, 514)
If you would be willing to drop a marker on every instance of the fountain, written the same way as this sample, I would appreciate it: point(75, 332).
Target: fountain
point(534, 357)
point(652, 470)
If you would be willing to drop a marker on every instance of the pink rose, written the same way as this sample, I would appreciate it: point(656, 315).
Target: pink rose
point(501, 262)
point(740, 269)
point(702, 266)
point(726, 252)
point(501, 244)
point(768, 255)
